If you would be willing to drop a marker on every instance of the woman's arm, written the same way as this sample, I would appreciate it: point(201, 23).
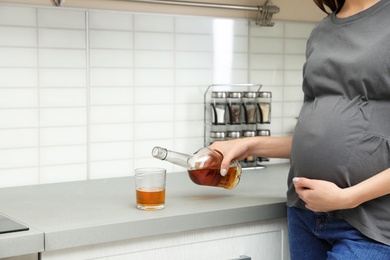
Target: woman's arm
point(262, 146)
point(323, 196)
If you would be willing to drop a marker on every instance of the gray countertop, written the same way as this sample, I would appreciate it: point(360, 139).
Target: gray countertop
point(72, 214)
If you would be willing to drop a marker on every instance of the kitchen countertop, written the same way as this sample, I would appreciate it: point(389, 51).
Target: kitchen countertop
point(72, 214)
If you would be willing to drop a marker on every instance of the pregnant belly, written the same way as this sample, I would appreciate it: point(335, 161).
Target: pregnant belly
point(327, 132)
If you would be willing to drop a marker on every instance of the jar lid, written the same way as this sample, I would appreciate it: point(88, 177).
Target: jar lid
point(234, 94)
point(234, 134)
point(248, 133)
point(263, 132)
point(264, 94)
point(218, 134)
point(218, 94)
point(250, 94)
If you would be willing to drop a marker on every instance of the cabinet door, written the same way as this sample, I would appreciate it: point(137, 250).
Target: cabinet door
point(263, 240)
point(257, 246)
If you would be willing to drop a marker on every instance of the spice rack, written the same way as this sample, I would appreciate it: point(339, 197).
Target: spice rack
point(234, 111)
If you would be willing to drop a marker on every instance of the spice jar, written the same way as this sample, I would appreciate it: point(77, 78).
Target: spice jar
point(218, 108)
point(250, 161)
point(263, 132)
point(217, 136)
point(249, 105)
point(264, 107)
point(234, 105)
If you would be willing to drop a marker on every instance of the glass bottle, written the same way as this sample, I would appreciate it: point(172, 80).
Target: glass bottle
point(203, 166)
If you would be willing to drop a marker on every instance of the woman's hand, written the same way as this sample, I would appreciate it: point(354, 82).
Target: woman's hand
point(322, 196)
point(232, 149)
point(262, 146)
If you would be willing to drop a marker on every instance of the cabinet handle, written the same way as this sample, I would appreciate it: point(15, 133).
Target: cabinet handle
point(242, 257)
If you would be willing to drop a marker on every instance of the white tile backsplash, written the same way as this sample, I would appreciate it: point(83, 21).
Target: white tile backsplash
point(104, 77)
point(53, 77)
point(55, 136)
point(87, 94)
point(56, 155)
point(154, 130)
point(267, 61)
point(295, 46)
point(154, 23)
point(110, 39)
point(18, 37)
point(276, 31)
point(61, 38)
point(19, 118)
point(18, 57)
point(63, 173)
point(62, 97)
point(63, 58)
point(154, 77)
point(154, 95)
point(193, 77)
point(154, 113)
point(154, 59)
point(111, 95)
point(19, 177)
point(18, 77)
point(60, 18)
point(111, 132)
point(111, 169)
point(19, 97)
point(189, 112)
point(153, 41)
point(111, 114)
point(19, 158)
point(298, 29)
point(272, 77)
point(267, 45)
point(18, 138)
point(111, 58)
point(111, 151)
point(18, 16)
point(62, 117)
point(191, 42)
point(110, 20)
point(194, 60)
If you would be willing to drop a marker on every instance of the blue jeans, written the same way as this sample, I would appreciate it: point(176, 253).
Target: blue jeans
point(317, 236)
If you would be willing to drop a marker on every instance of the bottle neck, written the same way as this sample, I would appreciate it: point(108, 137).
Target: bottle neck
point(180, 159)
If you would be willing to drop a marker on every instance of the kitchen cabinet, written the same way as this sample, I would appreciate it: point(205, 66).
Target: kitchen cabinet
point(258, 240)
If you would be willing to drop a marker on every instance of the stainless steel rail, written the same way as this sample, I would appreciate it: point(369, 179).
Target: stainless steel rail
point(208, 5)
point(264, 12)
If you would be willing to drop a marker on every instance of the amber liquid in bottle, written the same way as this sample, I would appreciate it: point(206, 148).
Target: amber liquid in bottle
point(212, 177)
point(203, 166)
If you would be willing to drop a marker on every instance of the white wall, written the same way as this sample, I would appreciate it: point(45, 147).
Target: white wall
point(86, 94)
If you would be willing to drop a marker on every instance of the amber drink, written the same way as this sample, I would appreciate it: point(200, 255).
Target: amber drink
point(150, 188)
point(204, 166)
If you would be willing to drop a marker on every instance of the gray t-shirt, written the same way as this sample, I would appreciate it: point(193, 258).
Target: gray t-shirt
point(343, 131)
